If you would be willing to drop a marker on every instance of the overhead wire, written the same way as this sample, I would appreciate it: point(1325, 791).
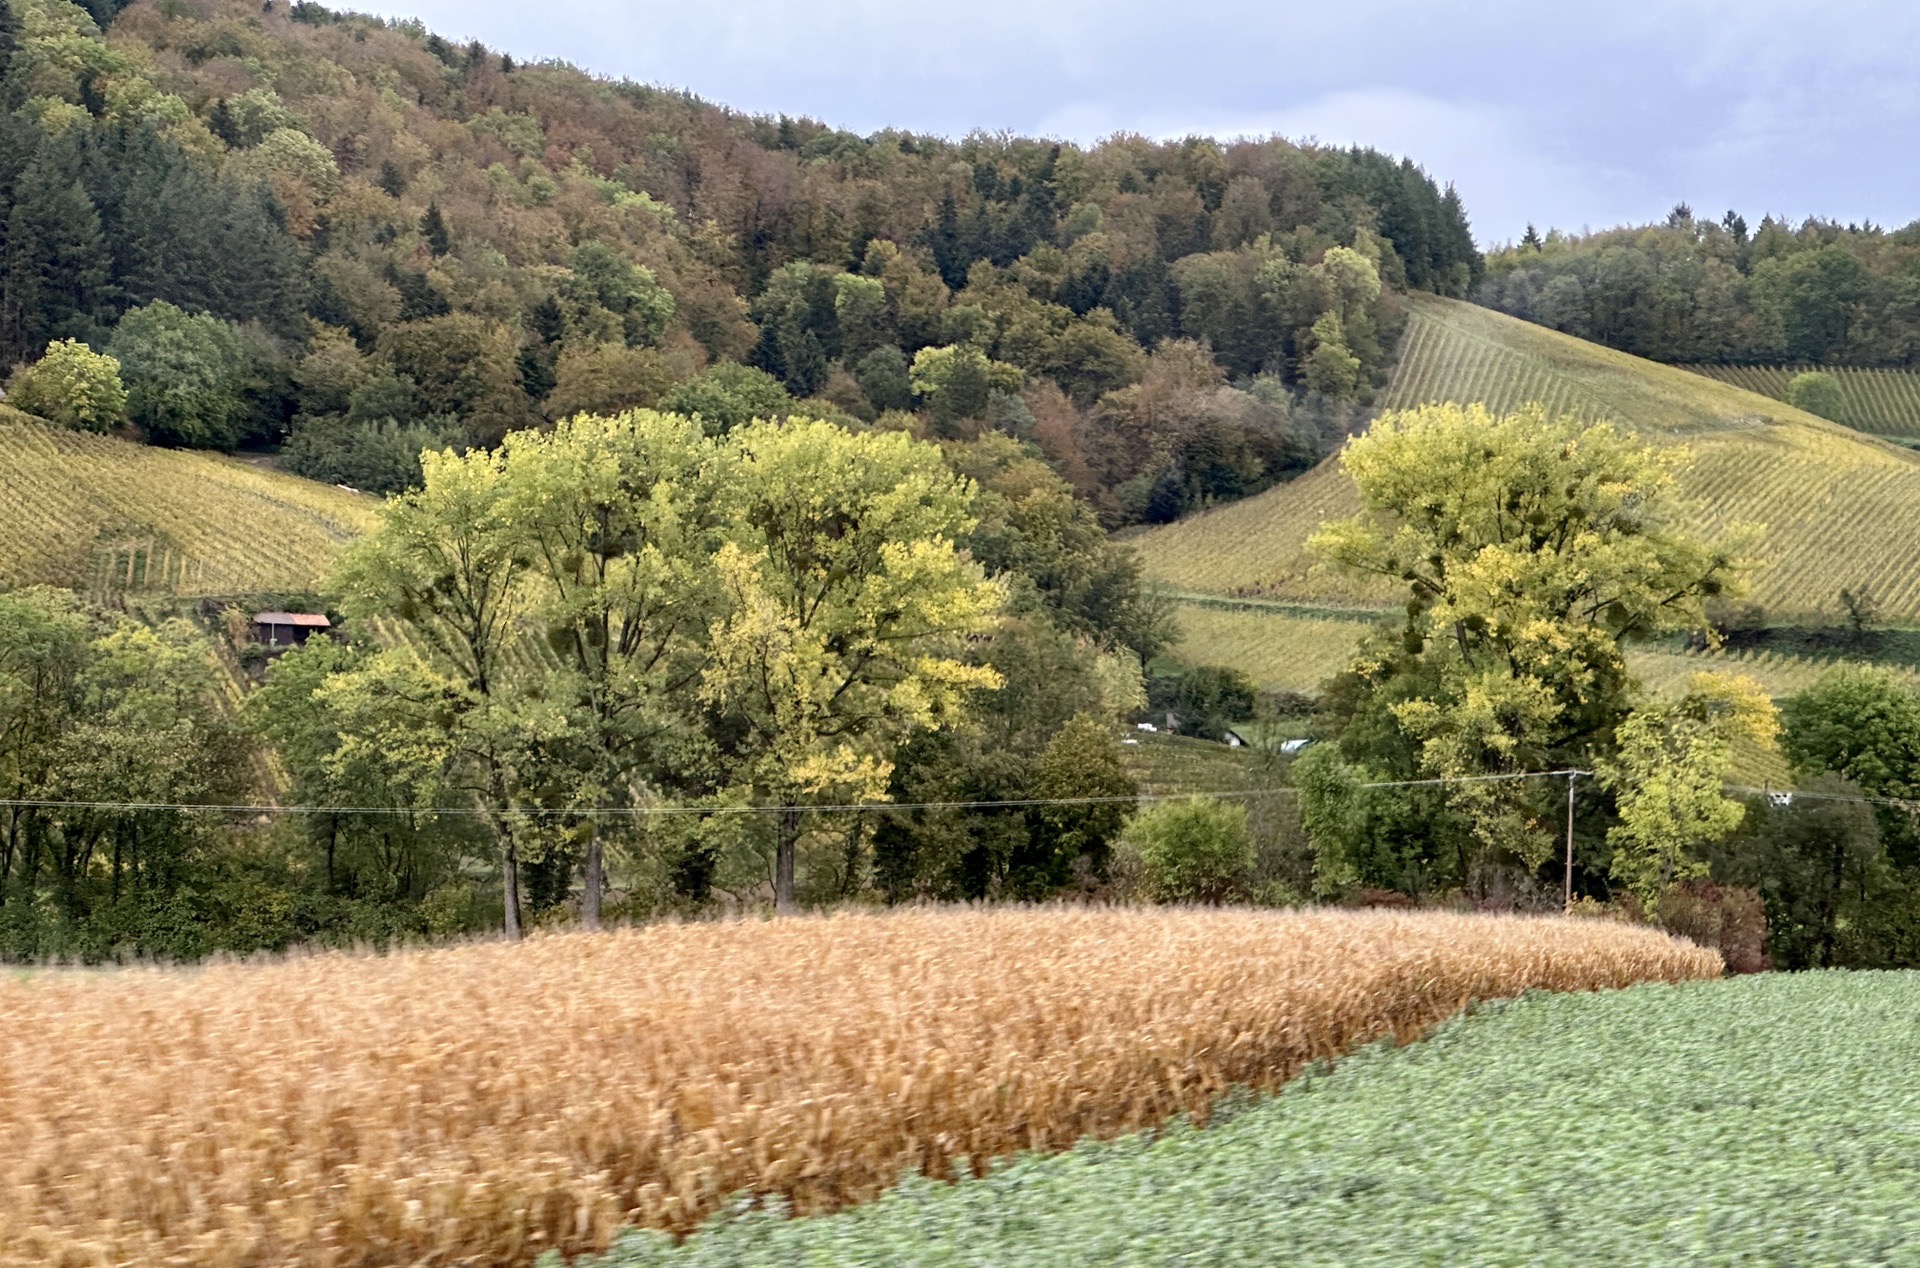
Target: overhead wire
point(582, 812)
point(1023, 803)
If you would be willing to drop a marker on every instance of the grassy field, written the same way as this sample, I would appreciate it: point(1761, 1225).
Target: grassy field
point(1883, 402)
point(112, 518)
point(1283, 651)
point(481, 1104)
point(1759, 1120)
point(1839, 508)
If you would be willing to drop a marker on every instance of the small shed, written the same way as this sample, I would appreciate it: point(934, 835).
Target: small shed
point(288, 629)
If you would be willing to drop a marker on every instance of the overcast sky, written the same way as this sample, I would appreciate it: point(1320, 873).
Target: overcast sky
point(1536, 113)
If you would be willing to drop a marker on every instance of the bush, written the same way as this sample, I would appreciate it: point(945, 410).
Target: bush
point(1193, 851)
point(1206, 699)
point(1817, 392)
point(1729, 918)
point(379, 457)
point(73, 386)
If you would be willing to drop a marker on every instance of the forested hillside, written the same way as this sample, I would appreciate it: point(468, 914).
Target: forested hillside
point(1699, 290)
point(290, 225)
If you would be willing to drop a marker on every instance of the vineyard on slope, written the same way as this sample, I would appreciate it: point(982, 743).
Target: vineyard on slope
point(1879, 401)
point(1839, 509)
point(112, 518)
point(1281, 651)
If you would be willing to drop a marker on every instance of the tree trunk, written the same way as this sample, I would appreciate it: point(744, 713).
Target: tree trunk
point(786, 845)
point(596, 879)
point(510, 888)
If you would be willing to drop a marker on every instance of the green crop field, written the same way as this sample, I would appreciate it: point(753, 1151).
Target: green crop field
point(113, 518)
point(1883, 402)
point(1839, 509)
point(1757, 1120)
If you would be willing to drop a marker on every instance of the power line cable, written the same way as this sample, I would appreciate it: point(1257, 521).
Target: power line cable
point(583, 812)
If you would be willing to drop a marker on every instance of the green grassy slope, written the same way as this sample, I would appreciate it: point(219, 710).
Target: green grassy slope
point(1758, 1120)
point(1839, 509)
point(111, 518)
point(1881, 402)
point(1281, 650)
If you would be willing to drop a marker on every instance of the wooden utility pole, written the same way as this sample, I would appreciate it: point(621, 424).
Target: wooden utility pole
point(1566, 904)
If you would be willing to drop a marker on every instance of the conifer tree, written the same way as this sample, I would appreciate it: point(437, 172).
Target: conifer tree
point(55, 272)
point(433, 227)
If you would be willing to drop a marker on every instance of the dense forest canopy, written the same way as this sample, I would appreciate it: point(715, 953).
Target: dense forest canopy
point(1701, 290)
point(368, 239)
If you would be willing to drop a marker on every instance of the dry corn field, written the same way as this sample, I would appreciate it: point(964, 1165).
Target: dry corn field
point(483, 1103)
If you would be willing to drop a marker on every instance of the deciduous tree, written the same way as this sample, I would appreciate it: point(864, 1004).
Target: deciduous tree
point(73, 386)
point(845, 603)
point(1530, 550)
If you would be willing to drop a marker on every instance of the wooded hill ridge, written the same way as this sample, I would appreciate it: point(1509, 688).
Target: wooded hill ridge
point(375, 239)
point(1697, 290)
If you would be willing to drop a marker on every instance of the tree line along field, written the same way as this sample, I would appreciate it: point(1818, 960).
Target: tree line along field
point(1761, 1119)
point(1838, 509)
point(488, 1102)
point(108, 517)
point(1883, 402)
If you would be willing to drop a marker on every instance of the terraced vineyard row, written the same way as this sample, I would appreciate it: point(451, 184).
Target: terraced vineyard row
point(110, 517)
point(1281, 652)
point(1836, 509)
point(1883, 402)
point(1432, 368)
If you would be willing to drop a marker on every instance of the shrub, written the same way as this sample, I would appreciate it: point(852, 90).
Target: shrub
point(1729, 918)
point(1194, 851)
point(72, 385)
point(379, 456)
point(1206, 699)
point(1817, 392)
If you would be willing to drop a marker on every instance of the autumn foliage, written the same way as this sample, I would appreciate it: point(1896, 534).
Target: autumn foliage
point(487, 1102)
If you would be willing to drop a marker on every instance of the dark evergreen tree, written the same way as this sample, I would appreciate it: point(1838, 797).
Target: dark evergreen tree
point(943, 239)
point(1142, 297)
point(55, 269)
point(418, 299)
point(220, 122)
point(264, 278)
point(433, 227)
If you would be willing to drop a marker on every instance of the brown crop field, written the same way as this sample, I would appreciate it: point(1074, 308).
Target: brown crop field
point(480, 1104)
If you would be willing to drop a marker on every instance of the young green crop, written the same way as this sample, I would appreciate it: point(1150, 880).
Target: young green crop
point(1761, 1120)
